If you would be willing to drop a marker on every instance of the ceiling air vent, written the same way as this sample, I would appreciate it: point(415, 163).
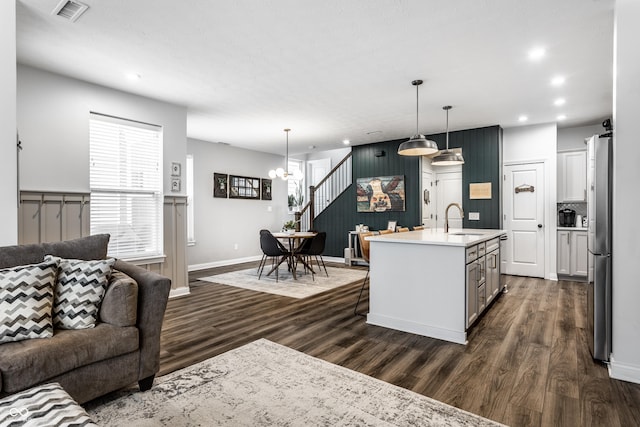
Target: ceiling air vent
point(69, 9)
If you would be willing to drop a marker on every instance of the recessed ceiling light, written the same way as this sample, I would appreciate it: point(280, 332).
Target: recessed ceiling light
point(559, 101)
point(134, 77)
point(523, 118)
point(561, 117)
point(558, 81)
point(536, 54)
point(346, 142)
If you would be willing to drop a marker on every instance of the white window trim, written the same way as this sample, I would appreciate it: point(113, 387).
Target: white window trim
point(191, 232)
point(122, 181)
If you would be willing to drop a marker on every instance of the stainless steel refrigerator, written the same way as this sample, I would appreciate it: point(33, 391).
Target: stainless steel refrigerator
point(599, 157)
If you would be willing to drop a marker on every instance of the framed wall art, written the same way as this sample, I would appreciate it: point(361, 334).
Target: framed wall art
point(220, 185)
point(175, 185)
point(265, 185)
point(176, 169)
point(380, 194)
point(244, 187)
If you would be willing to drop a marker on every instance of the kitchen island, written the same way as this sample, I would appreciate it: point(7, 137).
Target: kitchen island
point(433, 283)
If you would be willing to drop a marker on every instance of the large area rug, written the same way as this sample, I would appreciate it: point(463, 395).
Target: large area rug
point(305, 285)
point(264, 384)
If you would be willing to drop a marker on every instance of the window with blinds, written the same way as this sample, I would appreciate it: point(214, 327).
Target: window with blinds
point(126, 186)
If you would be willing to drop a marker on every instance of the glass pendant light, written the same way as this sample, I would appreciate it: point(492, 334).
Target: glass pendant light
point(284, 173)
point(447, 157)
point(417, 145)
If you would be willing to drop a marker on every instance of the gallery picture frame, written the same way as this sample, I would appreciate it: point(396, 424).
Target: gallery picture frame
point(176, 169)
point(175, 185)
point(244, 187)
point(220, 185)
point(265, 188)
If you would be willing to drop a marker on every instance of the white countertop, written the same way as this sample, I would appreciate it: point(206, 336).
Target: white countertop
point(573, 228)
point(439, 237)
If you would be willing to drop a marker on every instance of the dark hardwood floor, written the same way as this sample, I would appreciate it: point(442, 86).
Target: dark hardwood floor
point(527, 361)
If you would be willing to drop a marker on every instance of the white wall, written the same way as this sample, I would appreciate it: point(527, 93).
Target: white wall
point(221, 224)
point(625, 360)
point(8, 165)
point(53, 121)
point(573, 138)
point(538, 143)
point(335, 155)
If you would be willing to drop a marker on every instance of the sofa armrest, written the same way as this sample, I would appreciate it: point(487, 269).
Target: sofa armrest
point(153, 294)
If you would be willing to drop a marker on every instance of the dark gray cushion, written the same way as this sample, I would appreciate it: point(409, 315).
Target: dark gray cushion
point(120, 303)
point(26, 363)
point(86, 248)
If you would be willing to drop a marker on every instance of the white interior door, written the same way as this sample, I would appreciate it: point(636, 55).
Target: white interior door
point(449, 190)
point(428, 200)
point(524, 219)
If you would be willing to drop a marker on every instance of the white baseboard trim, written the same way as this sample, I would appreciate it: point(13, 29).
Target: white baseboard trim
point(179, 292)
point(196, 267)
point(624, 372)
point(553, 276)
point(459, 337)
point(339, 260)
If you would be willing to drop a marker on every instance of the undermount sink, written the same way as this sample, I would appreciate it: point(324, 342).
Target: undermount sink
point(461, 233)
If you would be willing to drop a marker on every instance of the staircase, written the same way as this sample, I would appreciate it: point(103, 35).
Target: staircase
point(325, 192)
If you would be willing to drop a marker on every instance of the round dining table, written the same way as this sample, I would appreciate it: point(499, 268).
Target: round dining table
point(295, 241)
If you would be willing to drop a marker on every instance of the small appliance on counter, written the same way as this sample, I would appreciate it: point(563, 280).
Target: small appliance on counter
point(566, 218)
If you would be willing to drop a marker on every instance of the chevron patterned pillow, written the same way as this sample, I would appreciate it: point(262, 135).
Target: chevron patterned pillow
point(44, 405)
point(78, 291)
point(26, 298)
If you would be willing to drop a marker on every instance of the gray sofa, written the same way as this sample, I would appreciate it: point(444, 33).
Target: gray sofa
point(124, 346)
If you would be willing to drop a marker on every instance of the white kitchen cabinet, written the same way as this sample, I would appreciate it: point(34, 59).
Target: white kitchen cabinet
point(564, 252)
point(572, 176)
point(572, 253)
point(473, 272)
point(493, 274)
point(579, 253)
point(492, 269)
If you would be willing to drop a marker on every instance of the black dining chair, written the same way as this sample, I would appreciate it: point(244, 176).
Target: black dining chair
point(314, 248)
point(272, 248)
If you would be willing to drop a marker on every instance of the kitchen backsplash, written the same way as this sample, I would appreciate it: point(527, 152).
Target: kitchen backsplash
point(580, 208)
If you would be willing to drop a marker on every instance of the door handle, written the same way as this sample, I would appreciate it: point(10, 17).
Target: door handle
point(539, 225)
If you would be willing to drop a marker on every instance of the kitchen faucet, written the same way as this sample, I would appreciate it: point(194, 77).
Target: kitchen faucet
point(446, 215)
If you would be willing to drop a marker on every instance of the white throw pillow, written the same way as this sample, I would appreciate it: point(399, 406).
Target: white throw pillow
point(78, 291)
point(26, 298)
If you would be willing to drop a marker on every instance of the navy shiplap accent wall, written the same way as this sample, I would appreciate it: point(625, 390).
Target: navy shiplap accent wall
point(481, 149)
point(341, 216)
point(482, 164)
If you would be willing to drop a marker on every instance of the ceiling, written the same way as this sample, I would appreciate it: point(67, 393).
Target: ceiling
point(336, 69)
